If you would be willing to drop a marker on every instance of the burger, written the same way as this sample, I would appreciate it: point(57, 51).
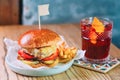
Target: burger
point(39, 48)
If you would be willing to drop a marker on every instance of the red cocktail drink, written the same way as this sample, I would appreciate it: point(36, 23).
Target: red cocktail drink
point(96, 38)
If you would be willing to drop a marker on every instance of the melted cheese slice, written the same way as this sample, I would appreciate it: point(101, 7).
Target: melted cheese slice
point(47, 51)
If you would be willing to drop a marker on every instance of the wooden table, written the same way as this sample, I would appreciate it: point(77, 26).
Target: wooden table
point(72, 35)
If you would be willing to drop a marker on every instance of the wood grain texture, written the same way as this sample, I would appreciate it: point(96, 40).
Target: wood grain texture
point(9, 12)
point(72, 35)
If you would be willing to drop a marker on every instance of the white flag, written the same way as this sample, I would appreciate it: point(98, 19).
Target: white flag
point(43, 10)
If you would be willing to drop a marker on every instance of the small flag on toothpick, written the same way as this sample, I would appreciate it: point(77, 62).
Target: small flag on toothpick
point(43, 10)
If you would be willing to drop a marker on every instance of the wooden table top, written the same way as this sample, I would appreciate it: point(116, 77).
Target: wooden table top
point(71, 32)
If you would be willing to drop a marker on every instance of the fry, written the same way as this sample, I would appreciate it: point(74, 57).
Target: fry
point(64, 60)
point(65, 56)
point(74, 50)
point(66, 53)
point(69, 56)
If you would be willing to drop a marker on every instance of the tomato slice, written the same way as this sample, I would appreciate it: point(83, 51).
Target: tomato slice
point(53, 56)
point(25, 55)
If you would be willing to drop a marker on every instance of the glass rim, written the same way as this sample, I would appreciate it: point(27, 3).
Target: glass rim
point(100, 18)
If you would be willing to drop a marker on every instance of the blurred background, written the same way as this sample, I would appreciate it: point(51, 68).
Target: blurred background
point(25, 12)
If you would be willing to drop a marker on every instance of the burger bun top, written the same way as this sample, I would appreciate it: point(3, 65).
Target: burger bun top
point(38, 38)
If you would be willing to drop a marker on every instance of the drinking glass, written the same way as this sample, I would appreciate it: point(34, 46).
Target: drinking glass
point(96, 43)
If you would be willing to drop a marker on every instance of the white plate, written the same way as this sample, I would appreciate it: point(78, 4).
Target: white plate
point(43, 72)
point(21, 68)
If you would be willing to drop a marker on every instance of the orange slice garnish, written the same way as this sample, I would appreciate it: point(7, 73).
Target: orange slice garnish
point(93, 37)
point(98, 27)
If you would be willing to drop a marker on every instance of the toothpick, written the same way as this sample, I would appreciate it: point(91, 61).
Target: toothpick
point(39, 22)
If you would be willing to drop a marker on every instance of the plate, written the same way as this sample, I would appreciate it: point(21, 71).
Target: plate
point(21, 68)
point(41, 72)
point(12, 60)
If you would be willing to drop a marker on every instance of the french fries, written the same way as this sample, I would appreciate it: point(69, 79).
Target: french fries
point(66, 53)
point(64, 60)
